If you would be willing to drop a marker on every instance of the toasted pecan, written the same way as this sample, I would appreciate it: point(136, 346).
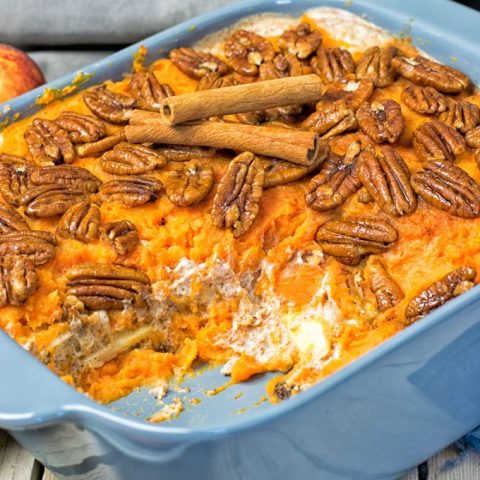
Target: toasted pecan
point(235, 205)
point(376, 64)
point(348, 239)
point(386, 177)
point(382, 120)
point(428, 73)
point(451, 285)
point(189, 183)
point(445, 186)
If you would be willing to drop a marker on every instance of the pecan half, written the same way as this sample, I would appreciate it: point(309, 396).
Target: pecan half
point(189, 183)
point(181, 153)
point(50, 191)
point(381, 121)
point(48, 143)
point(77, 178)
point(424, 100)
point(425, 72)
point(236, 202)
point(109, 106)
point(80, 222)
point(37, 246)
point(376, 64)
point(352, 92)
point(215, 80)
point(132, 191)
point(437, 141)
point(385, 288)
point(11, 220)
point(107, 287)
point(82, 128)
point(455, 283)
point(242, 79)
point(254, 118)
point(336, 182)
point(94, 148)
point(349, 239)
point(332, 64)
point(330, 119)
point(197, 64)
point(300, 41)
point(122, 235)
point(283, 65)
point(51, 200)
point(148, 91)
point(278, 172)
point(461, 115)
point(12, 159)
point(246, 51)
point(18, 280)
point(386, 177)
point(14, 181)
point(447, 187)
point(473, 137)
point(130, 159)
point(364, 196)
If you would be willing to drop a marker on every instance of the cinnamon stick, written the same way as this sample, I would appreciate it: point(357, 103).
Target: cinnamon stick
point(293, 145)
point(249, 97)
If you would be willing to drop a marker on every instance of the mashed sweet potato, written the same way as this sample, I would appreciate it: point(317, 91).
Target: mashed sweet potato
point(267, 301)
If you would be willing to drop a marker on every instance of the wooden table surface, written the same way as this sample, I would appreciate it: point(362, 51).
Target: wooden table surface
point(17, 464)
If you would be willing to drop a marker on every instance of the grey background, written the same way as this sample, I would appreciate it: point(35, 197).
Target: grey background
point(65, 35)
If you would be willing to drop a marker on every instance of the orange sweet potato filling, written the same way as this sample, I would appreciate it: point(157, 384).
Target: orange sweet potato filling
point(432, 243)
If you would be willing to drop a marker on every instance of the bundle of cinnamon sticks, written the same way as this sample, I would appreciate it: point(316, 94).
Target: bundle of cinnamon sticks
point(293, 145)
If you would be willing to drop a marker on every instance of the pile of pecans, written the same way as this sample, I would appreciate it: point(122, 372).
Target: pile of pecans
point(47, 185)
point(376, 172)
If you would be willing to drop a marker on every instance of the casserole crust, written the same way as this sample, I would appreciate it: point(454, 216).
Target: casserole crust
point(123, 264)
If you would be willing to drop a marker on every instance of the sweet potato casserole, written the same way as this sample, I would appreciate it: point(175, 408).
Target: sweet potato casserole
point(282, 197)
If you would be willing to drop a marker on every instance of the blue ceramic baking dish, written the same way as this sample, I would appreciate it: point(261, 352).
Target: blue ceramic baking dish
point(374, 419)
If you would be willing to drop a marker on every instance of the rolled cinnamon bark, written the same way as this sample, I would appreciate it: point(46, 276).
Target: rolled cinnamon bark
point(293, 145)
point(249, 97)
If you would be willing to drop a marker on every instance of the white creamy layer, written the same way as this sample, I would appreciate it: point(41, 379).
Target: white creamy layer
point(266, 327)
point(342, 25)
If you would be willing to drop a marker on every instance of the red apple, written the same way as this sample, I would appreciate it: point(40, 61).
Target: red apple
point(18, 73)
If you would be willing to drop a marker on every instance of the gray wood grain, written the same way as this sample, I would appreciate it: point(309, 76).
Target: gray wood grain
point(48, 475)
point(464, 468)
point(18, 464)
point(15, 462)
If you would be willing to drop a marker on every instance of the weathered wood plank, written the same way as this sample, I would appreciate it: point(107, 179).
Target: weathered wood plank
point(411, 475)
point(15, 462)
point(48, 475)
point(466, 468)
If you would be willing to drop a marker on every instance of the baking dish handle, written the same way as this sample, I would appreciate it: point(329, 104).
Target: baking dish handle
point(30, 393)
point(32, 397)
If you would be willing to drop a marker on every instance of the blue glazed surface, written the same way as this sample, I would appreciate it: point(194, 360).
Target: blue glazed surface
point(386, 412)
